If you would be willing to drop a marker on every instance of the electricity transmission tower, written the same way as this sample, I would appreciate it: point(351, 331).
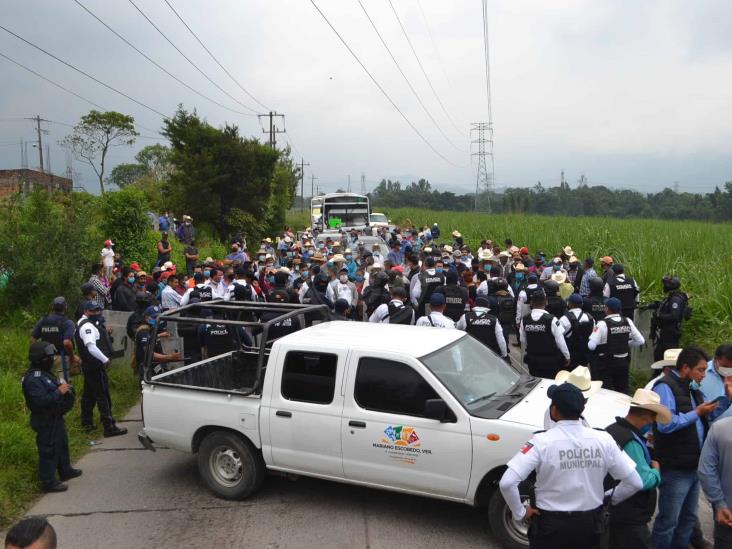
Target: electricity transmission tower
point(484, 178)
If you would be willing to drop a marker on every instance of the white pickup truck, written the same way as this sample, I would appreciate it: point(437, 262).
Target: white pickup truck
point(424, 411)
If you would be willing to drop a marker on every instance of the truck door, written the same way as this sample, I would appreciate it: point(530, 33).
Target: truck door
point(305, 412)
point(387, 440)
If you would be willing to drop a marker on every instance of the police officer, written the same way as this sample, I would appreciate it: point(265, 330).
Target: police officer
point(283, 327)
point(594, 304)
point(201, 291)
point(542, 339)
point(397, 311)
point(456, 297)
point(95, 347)
point(57, 329)
point(49, 399)
point(577, 326)
point(143, 337)
point(571, 461)
point(555, 305)
point(427, 282)
point(503, 307)
point(484, 327)
point(666, 321)
point(436, 318)
point(625, 289)
point(612, 338)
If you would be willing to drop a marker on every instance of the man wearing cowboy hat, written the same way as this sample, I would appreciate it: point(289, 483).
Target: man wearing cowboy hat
point(579, 377)
point(571, 462)
point(629, 519)
point(663, 366)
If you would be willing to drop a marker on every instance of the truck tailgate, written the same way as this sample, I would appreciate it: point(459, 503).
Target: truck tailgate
point(173, 415)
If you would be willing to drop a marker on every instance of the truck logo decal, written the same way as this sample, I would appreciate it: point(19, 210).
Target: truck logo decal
point(401, 443)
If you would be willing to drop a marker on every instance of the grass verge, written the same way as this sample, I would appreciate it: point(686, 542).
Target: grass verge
point(19, 484)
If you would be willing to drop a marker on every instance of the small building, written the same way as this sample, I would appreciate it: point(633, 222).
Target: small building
point(25, 181)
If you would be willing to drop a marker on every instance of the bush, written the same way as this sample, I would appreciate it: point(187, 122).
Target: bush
point(125, 223)
point(46, 244)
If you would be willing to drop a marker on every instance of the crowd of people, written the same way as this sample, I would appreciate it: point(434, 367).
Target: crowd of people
point(563, 312)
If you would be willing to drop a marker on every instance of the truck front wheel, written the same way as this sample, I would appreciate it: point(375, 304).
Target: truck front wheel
point(509, 533)
point(231, 467)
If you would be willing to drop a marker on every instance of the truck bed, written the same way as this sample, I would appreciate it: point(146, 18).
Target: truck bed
point(234, 371)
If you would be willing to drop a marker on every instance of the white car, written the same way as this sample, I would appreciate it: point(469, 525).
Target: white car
point(379, 220)
point(419, 410)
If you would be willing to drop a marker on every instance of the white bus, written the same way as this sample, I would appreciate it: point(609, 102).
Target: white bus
point(342, 211)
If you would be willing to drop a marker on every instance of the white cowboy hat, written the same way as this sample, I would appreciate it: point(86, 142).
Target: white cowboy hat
point(650, 400)
point(579, 377)
point(560, 277)
point(456, 234)
point(568, 251)
point(669, 359)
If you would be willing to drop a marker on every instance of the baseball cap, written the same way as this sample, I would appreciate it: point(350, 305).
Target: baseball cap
point(108, 243)
point(59, 302)
point(135, 266)
point(152, 311)
point(92, 306)
point(575, 299)
point(567, 398)
point(86, 288)
point(524, 250)
point(482, 302)
point(614, 304)
point(437, 299)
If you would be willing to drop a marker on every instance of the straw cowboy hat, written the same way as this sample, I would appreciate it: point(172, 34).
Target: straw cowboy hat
point(650, 400)
point(669, 359)
point(559, 277)
point(579, 377)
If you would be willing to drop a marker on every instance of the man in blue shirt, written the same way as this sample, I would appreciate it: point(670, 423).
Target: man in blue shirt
point(57, 329)
point(678, 446)
point(717, 370)
point(715, 475)
point(236, 255)
point(395, 255)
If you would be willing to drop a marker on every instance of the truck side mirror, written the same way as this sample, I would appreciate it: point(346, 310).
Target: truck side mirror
point(435, 408)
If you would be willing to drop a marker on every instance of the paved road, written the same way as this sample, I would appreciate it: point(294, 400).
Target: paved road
point(130, 497)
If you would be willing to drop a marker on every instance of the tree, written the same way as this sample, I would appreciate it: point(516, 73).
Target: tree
point(156, 159)
point(95, 134)
point(126, 174)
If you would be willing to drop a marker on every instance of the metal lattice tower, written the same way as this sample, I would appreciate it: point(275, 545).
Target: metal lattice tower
point(484, 178)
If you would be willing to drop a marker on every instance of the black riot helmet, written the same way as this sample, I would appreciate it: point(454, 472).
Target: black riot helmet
point(596, 286)
point(551, 287)
point(671, 283)
point(501, 284)
point(41, 354)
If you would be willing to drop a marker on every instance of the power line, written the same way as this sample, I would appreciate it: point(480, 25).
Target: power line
point(207, 77)
point(376, 83)
point(419, 99)
point(242, 88)
point(84, 73)
point(489, 127)
point(424, 72)
point(158, 65)
point(434, 42)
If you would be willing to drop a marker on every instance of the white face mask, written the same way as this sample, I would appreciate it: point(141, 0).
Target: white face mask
point(724, 372)
point(343, 278)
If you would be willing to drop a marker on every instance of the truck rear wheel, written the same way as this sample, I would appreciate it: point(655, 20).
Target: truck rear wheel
point(231, 467)
point(509, 533)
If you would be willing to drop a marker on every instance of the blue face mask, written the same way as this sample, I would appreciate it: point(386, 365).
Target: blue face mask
point(290, 254)
point(152, 321)
point(131, 280)
point(271, 279)
point(557, 267)
point(304, 274)
point(359, 279)
point(519, 276)
point(646, 429)
point(695, 386)
point(206, 273)
point(487, 268)
point(438, 269)
point(349, 257)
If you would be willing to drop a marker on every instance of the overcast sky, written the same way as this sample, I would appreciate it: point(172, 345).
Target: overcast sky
point(631, 94)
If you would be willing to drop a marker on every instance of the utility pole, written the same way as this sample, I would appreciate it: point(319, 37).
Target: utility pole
point(37, 119)
point(363, 183)
point(302, 183)
point(273, 131)
point(312, 185)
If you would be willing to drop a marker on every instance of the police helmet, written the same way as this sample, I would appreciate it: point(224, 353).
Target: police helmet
point(501, 284)
point(670, 283)
point(551, 287)
point(596, 285)
point(41, 351)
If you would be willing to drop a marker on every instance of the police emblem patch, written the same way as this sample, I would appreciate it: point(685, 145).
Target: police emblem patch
point(528, 446)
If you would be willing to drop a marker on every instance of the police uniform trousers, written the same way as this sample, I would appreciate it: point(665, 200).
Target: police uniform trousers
point(96, 392)
point(614, 373)
point(565, 530)
point(668, 338)
point(53, 447)
point(544, 366)
point(629, 536)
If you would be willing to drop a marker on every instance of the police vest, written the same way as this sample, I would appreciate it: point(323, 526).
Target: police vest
point(428, 284)
point(482, 326)
point(530, 290)
point(202, 292)
point(618, 337)
point(505, 309)
point(579, 336)
point(625, 291)
point(220, 339)
point(242, 293)
point(103, 343)
point(639, 508)
point(680, 449)
point(596, 308)
point(400, 314)
point(539, 338)
point(455, 299)
point(52, 332)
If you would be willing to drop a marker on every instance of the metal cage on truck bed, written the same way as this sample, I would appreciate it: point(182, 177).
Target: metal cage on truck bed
point(241, 369)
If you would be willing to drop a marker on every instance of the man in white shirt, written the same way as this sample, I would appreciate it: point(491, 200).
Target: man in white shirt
point(216, 283)
point(397, 311)
point(577, 326)
point(342, 288)
point(169, 297)
point(107, 254)
point(436, 319)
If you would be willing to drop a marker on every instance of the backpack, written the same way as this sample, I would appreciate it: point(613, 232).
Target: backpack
point(374, 297)
point(506, 310)
point(242, 293)
point(401, 315)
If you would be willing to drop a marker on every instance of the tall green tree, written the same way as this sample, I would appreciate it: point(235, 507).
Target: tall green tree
point(123, 175)
point(156, 159)
point(95, 134)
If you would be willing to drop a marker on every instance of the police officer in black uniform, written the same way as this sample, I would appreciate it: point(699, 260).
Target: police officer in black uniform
point(625, 289)
point(503, 307)
point(541, 335)
point(57, 329)
point(429, 280)
point(594, 305)
point(456, 297)
point(667, 317)
point(49, 399)
point(143, 337)
point(485, 327)
point(555, 305)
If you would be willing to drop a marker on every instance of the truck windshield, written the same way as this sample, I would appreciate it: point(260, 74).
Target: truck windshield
point(472, 373)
